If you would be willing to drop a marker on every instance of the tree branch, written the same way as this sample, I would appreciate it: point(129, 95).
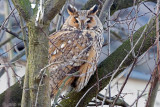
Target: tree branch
point(119, 102)
point(15, 96)
point(51, 8)
point(7, 40)
point(103, 14)
point(24, 8)
point(18, 56)
point(12, 33)
point(117, 4)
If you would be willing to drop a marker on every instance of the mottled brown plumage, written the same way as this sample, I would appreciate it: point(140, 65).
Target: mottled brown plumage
point(75, 50)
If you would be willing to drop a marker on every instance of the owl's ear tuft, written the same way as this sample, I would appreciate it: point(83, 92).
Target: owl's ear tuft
point(93, 10)
point(71, 10)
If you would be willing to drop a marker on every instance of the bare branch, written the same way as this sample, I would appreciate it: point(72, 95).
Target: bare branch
point(117, 4)
point(60, 17)
point(105, 9)
point(10, 48)
point(24, 8)
point(114, 102)
point(12, 33)
point(108, 101)
point(17, 57)
point(5, 41)
point(156, 73)
point(4, 22)
point(51, 8)
point(128, 54)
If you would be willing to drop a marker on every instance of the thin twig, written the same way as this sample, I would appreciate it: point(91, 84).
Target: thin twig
point(13, 13)
point(12, 33)
point(116, 71)
point(135, 60)
point(10, 48)
point(148, 8)
point(5, 41)
point(120, 102)
point(141, 93)
point(40, 83)
point(3, 24)
point(108, 75)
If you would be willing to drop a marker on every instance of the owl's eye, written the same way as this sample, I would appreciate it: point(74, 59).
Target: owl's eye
point(89, 21)
point(76, 21)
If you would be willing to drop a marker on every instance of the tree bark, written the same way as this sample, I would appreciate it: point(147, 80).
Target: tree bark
point(24, 8)
point(117, 4)
point(37, 59)
point(153, 89)
point(36, 87)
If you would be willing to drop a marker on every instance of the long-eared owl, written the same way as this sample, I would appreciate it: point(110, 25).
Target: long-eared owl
point(74, 50)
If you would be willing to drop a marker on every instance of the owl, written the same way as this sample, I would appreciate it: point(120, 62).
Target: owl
point(74, 50)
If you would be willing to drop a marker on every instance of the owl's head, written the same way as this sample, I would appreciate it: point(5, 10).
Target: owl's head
point(82, 19)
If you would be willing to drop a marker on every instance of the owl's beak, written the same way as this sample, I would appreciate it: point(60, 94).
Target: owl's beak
point(82, 25)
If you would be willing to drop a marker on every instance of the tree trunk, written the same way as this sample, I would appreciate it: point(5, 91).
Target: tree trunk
point(37, 59)
point(36, 84)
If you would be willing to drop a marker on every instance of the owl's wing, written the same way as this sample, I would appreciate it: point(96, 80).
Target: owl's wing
point(71, 52)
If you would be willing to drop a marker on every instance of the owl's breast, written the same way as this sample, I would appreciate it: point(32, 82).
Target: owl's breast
point(71, 52)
